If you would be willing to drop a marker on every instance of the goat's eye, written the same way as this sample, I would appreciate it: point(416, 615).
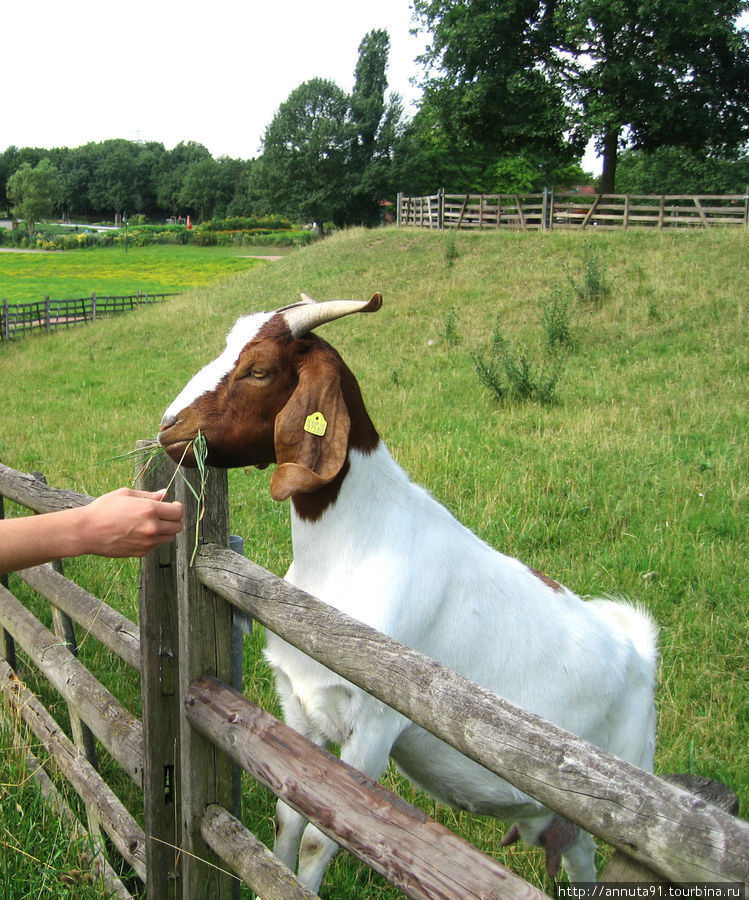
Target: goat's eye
point(258, 372)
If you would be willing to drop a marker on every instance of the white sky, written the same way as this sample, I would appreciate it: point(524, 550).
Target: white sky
point(178, 70)
point(213, 72)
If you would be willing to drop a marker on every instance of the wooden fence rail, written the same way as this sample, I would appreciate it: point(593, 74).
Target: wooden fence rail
point(194, 726)
point(553, 210)
point(18, 318)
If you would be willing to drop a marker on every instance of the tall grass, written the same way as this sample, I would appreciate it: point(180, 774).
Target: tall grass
point(633, 482)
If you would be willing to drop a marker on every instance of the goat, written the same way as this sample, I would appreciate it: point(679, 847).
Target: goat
point(373, 544)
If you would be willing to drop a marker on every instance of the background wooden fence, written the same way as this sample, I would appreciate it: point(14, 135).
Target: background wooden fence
point(18, 318)
point(195, 726)
point(555, 210)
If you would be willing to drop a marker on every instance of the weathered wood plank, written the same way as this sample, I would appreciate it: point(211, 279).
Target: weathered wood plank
point(249, 857)
point(83, 738)
point(416, 854)
point(122, 828)
point(28, 491)
point(100, 867)
point(680, 836)
point(623, 868)
point(108, 626)
point(117, 729)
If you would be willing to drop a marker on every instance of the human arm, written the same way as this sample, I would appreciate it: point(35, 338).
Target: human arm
point(122, 523)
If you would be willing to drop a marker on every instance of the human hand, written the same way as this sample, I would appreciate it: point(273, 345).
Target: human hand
point(127, 522)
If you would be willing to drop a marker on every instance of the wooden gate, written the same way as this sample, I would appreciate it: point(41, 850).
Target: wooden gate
point(195, 728)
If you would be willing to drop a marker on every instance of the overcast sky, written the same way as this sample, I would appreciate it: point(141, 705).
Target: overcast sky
point(214, 71)
point(160, 70)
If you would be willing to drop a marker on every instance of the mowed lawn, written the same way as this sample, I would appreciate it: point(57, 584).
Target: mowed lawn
point(29, 276)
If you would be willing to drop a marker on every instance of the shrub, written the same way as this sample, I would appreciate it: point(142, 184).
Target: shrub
point(247, 223)
point(449, 332)
point(512, 375)
point(594, 288)
point(555, 322)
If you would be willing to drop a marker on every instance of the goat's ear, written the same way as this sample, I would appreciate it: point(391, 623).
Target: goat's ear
point(311, 431)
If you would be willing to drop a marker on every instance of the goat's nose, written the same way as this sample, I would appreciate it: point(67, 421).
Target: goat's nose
point(167, 421)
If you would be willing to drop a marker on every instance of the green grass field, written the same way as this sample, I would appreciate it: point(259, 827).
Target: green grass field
point(633, 482)
point(27, 277)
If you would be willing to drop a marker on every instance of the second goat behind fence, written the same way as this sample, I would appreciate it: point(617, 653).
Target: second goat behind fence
point(374, 545)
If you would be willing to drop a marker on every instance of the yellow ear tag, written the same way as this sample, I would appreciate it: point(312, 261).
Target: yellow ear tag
point(316, 424)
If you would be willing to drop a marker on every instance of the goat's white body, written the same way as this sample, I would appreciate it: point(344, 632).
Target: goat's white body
point(392, 557)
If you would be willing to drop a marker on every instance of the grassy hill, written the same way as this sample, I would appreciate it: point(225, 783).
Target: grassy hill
point(633, 481)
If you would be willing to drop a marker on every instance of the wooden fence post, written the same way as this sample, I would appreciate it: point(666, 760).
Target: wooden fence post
point(5, 333)
point(159, 654)
point(204, 629)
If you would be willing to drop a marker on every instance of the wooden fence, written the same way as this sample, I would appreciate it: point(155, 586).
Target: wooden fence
point(18, 318)
point(554, 210)
point(195, 727)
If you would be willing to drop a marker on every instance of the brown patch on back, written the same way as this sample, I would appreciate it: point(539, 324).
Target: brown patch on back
point(549, 582)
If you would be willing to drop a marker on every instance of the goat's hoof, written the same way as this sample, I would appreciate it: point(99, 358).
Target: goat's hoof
point(556, 837)
point(512, 836)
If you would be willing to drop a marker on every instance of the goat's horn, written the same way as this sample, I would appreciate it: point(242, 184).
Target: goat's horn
point(303, 317)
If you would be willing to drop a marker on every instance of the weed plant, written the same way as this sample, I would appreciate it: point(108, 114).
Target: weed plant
point(555, 321)
point(451, 250)
point(512, 375)
point(593, 288)
point(450, 333)
point(633, 482)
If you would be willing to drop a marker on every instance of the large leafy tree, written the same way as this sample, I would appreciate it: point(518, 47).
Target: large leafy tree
point(200, 188)
point(488, 90)
point(374, 121)
point(34, 191)
point(674, 170)
point(533, 75)
point(328, 156)
point(114, 179)
point(302, 170)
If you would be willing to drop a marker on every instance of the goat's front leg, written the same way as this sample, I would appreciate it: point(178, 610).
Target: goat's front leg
point(289, 828)
point(368, 751)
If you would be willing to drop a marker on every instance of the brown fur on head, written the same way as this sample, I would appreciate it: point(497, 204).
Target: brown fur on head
point(259, 411)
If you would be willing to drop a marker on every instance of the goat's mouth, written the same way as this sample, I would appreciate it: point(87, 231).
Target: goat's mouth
point(177, 444)
point(180, 451)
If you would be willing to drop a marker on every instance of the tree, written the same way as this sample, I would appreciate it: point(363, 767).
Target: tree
point(541, 75)
point(492, 95)
point(113, 186)
point(675, 73)
point(674, 170)
point(301, 172)
point(374, 123)
point(172, 170)
point(34, 191)
point(199, 188)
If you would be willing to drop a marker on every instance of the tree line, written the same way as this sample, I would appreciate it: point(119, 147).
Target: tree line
point(513, 91)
